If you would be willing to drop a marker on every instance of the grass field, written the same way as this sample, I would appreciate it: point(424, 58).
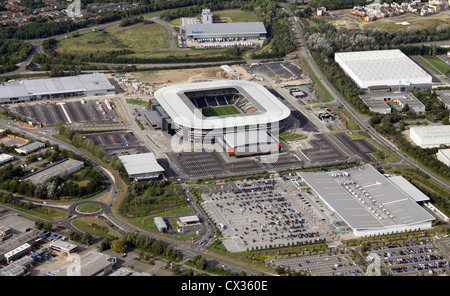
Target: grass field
point(89, 208)
point(436, 65)
point(95, 227)
point(235, 16)
point(141, 38)
point(219, 111)
point(145, 40)
point(290, 136)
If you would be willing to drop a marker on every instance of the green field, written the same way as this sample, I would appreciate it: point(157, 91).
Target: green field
point(88, 208)
point(436, 65)
point(290, 136)
point(235, 16)
point(141, 38)
point(145, 40)
point(219, 111)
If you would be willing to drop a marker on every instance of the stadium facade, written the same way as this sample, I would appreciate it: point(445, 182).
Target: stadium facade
point(196, 110)
point(87, 85)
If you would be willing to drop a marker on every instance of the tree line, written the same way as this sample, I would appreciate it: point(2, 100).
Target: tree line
point(12, 52)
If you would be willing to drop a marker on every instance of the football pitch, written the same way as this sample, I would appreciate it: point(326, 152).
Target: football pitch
point(219, 111)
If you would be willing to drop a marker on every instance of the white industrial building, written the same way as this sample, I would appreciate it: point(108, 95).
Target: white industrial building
point(383, 102)
point(5, 158)
point(430, 136)
point(88, 85)
point(207, 31)
point(444, 97)
point(444, 156)
point(30, 148)
point(381, 67)
point(140, 167)
point(367, 201)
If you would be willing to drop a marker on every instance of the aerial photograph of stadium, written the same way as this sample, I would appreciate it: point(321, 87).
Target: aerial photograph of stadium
point(225, 146)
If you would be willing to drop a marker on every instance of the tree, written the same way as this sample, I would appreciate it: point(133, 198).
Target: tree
point(87, 239)
point(445, 121)
point(119, 246)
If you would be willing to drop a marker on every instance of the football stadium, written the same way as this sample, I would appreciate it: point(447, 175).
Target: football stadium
point(196, 110)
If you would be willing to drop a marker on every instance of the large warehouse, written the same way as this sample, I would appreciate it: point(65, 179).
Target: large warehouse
point(207, 31)
point(247, 30)
point(141, 167)
point(88, 85)
point(431, 136)
point(368, 202)
point(381, 67)
point(210, 108)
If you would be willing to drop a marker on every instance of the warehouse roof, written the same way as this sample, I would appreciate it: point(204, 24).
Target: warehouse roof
point(140, 164)
point(409, 188)
point(377, 204)
point(30, 147)
point(54, 170)
point(223, 29)
point(432, 131)
point(382, 65)
point(85, 82)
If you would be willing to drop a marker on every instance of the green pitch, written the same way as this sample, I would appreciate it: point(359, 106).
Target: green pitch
point(219, 111)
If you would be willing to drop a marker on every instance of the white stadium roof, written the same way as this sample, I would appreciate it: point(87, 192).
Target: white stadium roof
point(185, 114)
point(381, 67)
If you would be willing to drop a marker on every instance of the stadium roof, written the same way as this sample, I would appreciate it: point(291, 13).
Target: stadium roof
point(381, 67)
point(184, 113)
point(224, 29)
point(140, 164)
point(378, 196)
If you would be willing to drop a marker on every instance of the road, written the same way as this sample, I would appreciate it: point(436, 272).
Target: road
point(359, 118)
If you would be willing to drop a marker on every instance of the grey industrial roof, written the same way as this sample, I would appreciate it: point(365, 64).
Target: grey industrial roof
point(140, 164)
point(31, 146)
point(392, 204)
point(222, 29)
point(91, 264)
point(64, 245)
point(13, 91)
point(85, 82)
point(409, 188)
point(54, 170)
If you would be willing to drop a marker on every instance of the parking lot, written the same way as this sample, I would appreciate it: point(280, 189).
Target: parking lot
point(210, 164)
point(360, 147)
point(411, 259)
point(260, 213)
point(277, 70)
point(322, 149)
point(82, 111)
point(117, 143)
point(331, 264)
